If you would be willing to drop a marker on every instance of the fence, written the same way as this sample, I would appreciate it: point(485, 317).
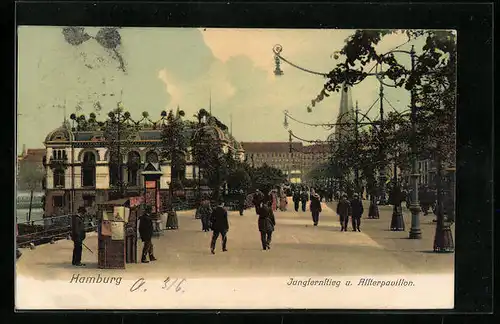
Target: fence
point(48, 229)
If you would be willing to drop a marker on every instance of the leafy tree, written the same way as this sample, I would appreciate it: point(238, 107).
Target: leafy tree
point(118, 132)
point(239, 179)
point(432, 83)
point(266, 177)
point(174, 144)
point(31, 176)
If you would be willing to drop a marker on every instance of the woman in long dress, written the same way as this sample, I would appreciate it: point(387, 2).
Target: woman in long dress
point(274, 200)
point(283, 200)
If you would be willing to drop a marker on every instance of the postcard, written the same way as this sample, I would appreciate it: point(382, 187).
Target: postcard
point(118, 213)
point(302, 137)
point(117, 231)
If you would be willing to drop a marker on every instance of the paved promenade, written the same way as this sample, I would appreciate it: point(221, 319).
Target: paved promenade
point(298, 248)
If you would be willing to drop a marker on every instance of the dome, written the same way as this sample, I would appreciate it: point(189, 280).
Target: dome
point(61, 134)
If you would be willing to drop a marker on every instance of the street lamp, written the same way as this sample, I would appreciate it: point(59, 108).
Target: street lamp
point(397, 221)
point(415, 231)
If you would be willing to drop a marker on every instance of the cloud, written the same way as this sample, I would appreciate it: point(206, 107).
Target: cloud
point(167, 67)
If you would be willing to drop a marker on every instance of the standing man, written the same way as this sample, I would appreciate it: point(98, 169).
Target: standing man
point(78, 235)
point(357, 212)
point(220, 225)
point(315, 207)
point(146, 233)
point(296, 200)
point(304, 197)
point(266, 225)
point(343, 210)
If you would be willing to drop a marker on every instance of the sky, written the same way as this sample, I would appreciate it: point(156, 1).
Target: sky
point(171, 67)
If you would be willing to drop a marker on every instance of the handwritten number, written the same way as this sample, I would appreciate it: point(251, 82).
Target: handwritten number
point(138, 284)
point(178, 288)
point(168, 284)
point(165, 282)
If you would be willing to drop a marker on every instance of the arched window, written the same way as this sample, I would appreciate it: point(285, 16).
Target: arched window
point(59, 178)
point(133, 166)
point(152, 157)
point(88, 170)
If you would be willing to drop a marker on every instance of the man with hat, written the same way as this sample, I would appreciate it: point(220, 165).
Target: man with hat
point(343, 210)
point(220, 226)
point(78, 235)
point(146, 233)
point(357, 212)
point(315, 207)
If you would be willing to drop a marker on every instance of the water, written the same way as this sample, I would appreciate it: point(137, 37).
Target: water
point(36, 215)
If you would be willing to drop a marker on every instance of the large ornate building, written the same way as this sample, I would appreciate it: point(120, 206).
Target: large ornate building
point(78, 172)
point(294, 159)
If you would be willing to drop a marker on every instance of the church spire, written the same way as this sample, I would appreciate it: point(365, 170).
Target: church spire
point(210, 102)
point(346, 113)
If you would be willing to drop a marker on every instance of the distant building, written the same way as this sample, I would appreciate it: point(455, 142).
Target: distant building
point(295, 164)
point(29, 159)
point(79, 173)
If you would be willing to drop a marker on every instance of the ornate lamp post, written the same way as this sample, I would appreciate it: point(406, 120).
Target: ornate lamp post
point(415, 231)
point(397, 221)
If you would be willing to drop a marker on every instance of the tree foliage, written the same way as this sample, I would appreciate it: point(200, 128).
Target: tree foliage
point(31, 175)
point(174, 143)
point(432, 84)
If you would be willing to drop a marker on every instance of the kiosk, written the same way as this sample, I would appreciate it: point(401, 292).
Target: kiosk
point(117, 232)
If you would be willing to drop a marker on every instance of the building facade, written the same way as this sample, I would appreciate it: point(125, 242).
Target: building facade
point(294, 159)
point(79, 172)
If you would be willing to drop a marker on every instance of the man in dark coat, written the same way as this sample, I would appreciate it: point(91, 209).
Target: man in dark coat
point(241, 201)
point(304, 197)
point(258, 197)
point(220, 225)
point(146, 233)
point(78, 235)
point(205, 212)
point(357, 212)
point(266, 224)
point(315, 207)
point(344, 210)
point(296, 200)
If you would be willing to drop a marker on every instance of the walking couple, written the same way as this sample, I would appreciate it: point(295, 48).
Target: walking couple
point(353, 208)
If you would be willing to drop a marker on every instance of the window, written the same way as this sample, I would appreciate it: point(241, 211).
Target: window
point(88, 200)
point(152, 157)
point(88, 170)
point(58, 201)
point(133, 166)
point(58, 178)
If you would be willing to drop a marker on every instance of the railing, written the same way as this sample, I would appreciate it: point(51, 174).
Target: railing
point(48, 229)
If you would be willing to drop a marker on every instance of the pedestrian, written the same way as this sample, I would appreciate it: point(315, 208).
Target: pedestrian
point(315, 207)
point(220, 226)
point(241, 201)
point(357, 212)
point(343, 211)
point(283, 200)
point(258, 197)
point(205, 211)
point(373, 212)
point(296, 200)
point(146, 233)
point(274, 198)
point(304, 197)
point(266, 225)
point(78, 235)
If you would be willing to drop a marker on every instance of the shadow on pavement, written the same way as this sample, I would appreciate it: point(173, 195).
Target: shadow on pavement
point(68, 265)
